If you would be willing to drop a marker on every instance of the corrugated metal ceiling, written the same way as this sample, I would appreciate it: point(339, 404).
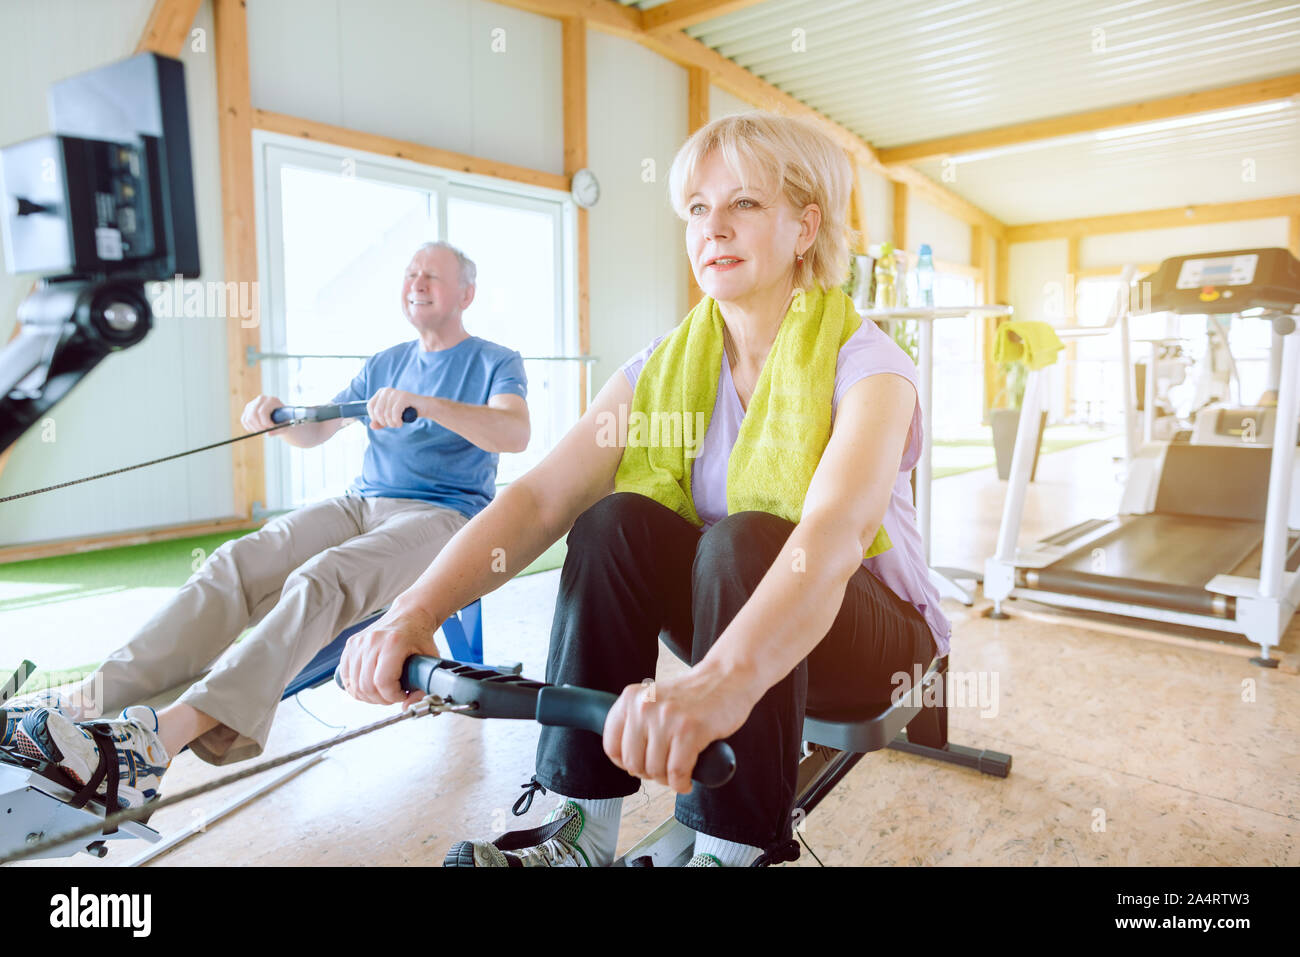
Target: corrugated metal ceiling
point(895, 73)
point(1248, 153)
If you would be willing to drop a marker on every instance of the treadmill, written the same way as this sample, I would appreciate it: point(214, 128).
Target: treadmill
point(1206, 534)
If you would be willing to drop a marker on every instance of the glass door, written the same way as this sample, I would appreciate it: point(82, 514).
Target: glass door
point(338, 233)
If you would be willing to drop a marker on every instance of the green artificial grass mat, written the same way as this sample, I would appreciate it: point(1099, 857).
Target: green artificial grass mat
point(166, 564)
point(151, 565)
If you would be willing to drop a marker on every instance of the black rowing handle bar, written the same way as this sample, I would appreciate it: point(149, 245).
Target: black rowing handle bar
point(323, 413)
point(496, 693)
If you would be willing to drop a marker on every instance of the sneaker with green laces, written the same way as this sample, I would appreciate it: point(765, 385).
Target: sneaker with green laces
point(703, 860)
point(554, 844)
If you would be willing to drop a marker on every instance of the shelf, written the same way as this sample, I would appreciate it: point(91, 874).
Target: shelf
point(935, 312)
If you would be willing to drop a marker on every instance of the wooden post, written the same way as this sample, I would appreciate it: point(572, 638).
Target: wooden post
point(18, 328)
point(858, 212)
point(980, 261)
point(235, 126)
point(575, 158)
point(697, 117)
point(1001, 293)
point(900, 216)
point(1071, 319)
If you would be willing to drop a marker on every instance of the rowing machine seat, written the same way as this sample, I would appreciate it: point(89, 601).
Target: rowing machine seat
point(917, 724)
point(872, 727)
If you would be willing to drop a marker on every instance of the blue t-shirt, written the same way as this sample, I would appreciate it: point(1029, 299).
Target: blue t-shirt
point(422, 459)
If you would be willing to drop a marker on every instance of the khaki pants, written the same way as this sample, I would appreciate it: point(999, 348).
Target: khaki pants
point(298, 581)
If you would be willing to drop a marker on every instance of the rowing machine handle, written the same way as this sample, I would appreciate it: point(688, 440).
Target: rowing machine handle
point(496, 690)
point(510, 696)
point(566, 706)
point(323, 413)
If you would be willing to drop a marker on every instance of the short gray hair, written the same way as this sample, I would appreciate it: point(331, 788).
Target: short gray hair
point(468, 271)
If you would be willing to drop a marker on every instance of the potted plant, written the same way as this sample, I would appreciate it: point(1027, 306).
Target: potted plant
point(908, 336)
point(1004, 418)
point(858, 287)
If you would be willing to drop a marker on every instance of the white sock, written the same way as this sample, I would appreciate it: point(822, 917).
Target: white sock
point(599, 838)
point(728, 853)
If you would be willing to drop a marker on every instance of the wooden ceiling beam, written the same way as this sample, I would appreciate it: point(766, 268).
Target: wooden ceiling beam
point(680, 14)
point(614, 18)
point(1157, 219)
point(404, 149)
point(168, 27)
point(604, 15)
point(1184, 104)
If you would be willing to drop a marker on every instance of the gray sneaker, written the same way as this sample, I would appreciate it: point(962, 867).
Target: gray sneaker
point(554, 844)
point(703, 860)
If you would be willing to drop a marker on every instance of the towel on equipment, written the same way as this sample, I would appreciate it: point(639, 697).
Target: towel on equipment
point(1030, 341)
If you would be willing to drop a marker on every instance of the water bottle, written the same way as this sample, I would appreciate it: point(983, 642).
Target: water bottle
point(925, 275)
point(886, 290)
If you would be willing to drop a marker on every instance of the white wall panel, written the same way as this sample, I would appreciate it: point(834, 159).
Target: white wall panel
point(722, 103)
point(462, 75)
point(164, 395)
point(878, 192)
point(294, 57)
point(1032, 267)
point(636, 115)
point(949, 238)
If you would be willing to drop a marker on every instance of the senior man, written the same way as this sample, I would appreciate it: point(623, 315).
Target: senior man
point(309, 574)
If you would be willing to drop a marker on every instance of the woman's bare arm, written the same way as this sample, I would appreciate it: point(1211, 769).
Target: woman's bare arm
point(524, 519)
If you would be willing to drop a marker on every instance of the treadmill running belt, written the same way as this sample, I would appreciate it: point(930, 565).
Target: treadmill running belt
point(1167, 549)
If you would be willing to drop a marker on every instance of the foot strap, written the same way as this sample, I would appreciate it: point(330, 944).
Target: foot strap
point(518, 840)
point(778, 853)
point(531, 789)
point(106, 768)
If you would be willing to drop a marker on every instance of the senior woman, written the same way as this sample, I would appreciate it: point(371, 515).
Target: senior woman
point(779, 556)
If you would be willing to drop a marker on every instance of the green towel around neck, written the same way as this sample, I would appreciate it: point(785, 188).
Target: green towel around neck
point(785, 429)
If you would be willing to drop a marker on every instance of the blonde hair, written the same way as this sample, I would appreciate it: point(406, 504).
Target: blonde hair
point(809, 166)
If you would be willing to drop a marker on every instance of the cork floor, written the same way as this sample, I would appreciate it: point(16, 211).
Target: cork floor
point(1130, 746)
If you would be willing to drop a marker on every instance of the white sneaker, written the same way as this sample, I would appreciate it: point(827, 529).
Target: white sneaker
point(15, 709)
point(560, 850)
point(49, 736)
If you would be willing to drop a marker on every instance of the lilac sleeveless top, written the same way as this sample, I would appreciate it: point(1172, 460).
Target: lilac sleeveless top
point(867, 352)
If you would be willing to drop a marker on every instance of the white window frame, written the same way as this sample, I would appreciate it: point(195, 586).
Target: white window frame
point(272, 151)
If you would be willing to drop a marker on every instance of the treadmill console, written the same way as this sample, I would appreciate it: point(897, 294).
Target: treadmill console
point(1227, 282)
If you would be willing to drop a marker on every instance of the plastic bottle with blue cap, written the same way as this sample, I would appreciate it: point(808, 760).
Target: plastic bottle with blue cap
point(925, 276)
